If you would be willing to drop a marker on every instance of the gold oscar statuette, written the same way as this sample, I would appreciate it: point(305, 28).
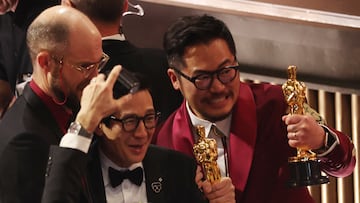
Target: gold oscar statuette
point(205, 151)
point(304, 167)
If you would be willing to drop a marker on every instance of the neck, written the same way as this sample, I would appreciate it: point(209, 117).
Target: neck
point(43, 84)
point(107, 28)
point(110, 152)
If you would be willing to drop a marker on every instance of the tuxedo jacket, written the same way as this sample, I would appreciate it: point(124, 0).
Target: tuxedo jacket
point(151, 63)
point(27, 130)
point(169, 177)
point(258, 147)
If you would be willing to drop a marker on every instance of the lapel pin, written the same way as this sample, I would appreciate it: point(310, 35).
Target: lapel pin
point(156, 186)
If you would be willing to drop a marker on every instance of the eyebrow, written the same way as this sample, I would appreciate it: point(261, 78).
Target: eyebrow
point(130, 115)
point(222, 65)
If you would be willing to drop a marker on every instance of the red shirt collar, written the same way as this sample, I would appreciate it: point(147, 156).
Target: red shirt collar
point(59, 112)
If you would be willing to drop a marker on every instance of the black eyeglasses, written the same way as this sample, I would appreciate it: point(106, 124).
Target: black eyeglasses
point(203, 81)
point(130, 124)
point(86, 69)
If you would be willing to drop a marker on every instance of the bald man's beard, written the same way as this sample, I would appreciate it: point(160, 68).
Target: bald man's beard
point(70, 99)
point(58, 86)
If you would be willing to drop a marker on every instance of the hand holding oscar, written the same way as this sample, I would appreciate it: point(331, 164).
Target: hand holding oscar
point(304, 167)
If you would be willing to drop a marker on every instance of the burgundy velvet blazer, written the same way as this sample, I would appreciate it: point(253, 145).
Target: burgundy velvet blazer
point(259, 150)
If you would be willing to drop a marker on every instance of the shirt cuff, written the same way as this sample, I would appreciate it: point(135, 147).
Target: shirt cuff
point(329, 144)
point(70, 140)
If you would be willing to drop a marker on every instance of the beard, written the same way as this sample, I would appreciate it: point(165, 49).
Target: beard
point(216, 118)
point(70, 100)
point(214, 115)
point(59, 85)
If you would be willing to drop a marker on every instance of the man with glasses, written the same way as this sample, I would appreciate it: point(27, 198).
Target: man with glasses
point(66, 53)
point(123, 166)
point(248, 121)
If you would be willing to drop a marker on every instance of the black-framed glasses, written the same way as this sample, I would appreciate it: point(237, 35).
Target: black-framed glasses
point(86, 68)
point(130, 124)
point(204, 80)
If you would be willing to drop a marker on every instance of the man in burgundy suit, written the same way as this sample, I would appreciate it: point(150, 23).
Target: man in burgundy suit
point(255, 136)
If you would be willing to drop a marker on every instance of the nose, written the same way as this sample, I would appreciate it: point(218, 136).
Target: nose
point(216, 85)
point(140, 131)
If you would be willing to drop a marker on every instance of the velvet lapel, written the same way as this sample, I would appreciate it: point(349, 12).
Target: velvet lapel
point(155, 174)
point(242, 137)
point(182, 133)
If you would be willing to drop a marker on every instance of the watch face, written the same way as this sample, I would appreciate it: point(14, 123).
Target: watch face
point(74, 128)
point(77, 129)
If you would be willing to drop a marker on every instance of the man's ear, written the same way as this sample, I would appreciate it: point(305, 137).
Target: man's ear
point(104, 130)
point(67, 3)
point(44, 59)
point(98, 131)
point(173, 78)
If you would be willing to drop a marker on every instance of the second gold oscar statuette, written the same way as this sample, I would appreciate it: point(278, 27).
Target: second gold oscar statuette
point(205, 151)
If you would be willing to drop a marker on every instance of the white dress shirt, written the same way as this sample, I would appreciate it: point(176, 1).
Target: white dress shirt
point(223, 126)
point(126, 192)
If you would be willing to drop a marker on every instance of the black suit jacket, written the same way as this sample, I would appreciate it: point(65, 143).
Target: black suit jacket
point(27, 131)
point(168, 170)
point(151, 63)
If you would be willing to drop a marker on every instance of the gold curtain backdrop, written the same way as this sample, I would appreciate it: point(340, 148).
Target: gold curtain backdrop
point(341, 111)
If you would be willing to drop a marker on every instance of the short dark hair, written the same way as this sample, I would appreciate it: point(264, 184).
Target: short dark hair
point(191, 30)
point(102, 10)
point(119, 90)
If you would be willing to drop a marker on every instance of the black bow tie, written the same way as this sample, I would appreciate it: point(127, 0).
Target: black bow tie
point(117, 177)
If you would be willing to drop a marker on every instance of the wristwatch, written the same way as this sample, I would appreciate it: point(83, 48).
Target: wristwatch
point(77, 129)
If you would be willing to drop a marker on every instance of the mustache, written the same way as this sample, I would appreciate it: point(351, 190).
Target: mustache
point(217, 95)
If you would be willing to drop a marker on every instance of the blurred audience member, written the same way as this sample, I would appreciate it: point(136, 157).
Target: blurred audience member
point(15, 63)
point(150, 62)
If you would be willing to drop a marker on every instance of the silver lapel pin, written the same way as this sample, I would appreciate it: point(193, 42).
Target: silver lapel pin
point(156, 186)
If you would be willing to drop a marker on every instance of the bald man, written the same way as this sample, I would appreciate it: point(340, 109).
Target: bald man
point(66, 53)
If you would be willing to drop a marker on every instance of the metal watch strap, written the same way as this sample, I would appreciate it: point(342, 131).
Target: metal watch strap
point(76, 128)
